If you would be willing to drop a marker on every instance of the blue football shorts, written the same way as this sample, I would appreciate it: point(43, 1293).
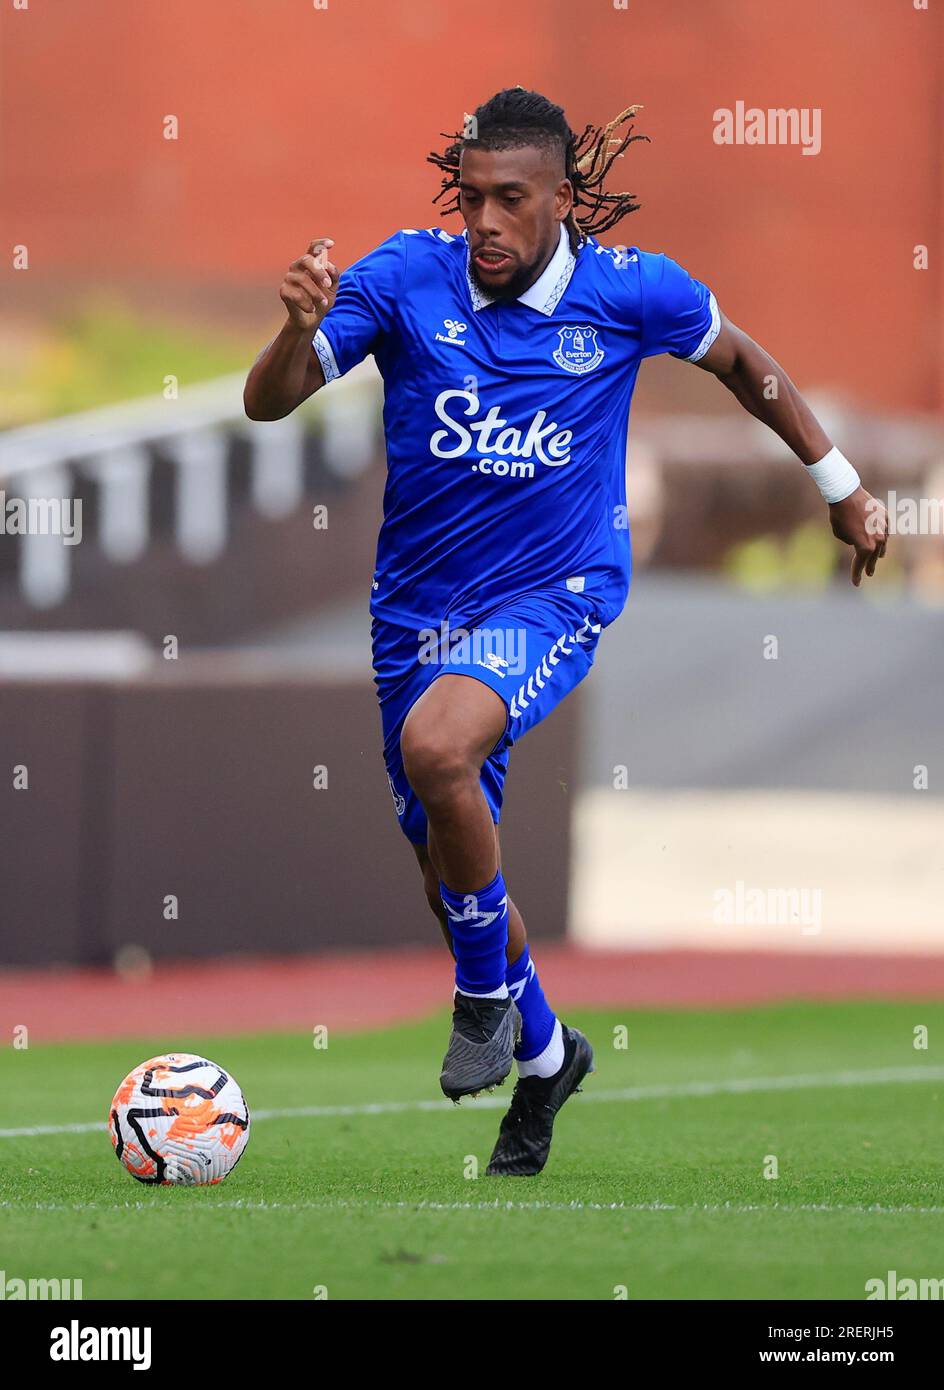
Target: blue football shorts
point(531, 651)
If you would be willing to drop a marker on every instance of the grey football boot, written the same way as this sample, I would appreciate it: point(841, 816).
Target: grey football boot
point(481, 1049)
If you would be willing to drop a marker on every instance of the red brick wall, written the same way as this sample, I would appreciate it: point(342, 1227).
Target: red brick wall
point(297, 121)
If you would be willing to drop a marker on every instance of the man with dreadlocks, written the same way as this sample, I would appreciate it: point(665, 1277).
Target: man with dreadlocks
point(509, 356)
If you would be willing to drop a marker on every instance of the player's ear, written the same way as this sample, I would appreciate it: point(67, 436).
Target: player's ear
point(563, 198)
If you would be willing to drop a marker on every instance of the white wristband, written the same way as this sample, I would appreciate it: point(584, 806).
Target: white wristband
point(835, 476)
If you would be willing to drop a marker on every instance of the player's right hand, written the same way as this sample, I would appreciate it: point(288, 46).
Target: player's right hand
point(862, 522)
point(310, 286)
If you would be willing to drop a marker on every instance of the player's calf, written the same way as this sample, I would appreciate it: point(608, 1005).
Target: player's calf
point(485, 1021)
point(445, 739)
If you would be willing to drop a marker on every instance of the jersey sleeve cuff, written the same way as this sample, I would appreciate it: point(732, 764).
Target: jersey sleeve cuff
point(712, 332)
point(329, 363)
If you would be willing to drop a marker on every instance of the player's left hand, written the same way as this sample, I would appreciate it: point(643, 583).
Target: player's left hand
point(862, 522)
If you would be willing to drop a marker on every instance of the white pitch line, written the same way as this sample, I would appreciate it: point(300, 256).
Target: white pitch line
point(746, 1085)
point(368, 1204)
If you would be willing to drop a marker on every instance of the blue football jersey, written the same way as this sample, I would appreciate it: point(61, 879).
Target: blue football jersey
point(506, 422)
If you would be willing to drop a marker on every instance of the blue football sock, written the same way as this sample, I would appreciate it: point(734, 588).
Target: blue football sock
point(538, 1019)
point(479, 926)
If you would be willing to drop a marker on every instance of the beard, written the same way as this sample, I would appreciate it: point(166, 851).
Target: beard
point(516, 285)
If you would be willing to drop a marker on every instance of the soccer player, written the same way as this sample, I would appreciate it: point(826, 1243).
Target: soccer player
point(509, 354)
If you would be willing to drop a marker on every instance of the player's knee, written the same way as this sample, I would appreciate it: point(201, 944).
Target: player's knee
point(434, 760)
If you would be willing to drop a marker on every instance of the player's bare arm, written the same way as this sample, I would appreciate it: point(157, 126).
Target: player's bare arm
point(287, 370)
point(748, 372)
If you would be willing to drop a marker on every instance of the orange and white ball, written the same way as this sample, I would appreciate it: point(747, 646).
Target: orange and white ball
point(179, 1120)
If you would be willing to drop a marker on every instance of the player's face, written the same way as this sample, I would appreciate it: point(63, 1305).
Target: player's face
point(513, 202)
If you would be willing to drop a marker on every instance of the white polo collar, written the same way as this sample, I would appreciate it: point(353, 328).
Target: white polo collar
point(544, 295)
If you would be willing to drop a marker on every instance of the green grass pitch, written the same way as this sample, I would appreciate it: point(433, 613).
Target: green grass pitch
point(655, 1185)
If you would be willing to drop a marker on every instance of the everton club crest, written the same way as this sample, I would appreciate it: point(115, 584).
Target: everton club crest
point(578, 350)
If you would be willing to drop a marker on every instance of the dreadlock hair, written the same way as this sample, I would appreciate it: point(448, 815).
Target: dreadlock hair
point(514, 118)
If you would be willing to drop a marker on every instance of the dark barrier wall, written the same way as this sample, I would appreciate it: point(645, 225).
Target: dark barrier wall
point(199, 786)
point(267, 573)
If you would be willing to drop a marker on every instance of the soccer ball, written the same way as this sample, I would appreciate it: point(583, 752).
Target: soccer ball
point(179, 1119)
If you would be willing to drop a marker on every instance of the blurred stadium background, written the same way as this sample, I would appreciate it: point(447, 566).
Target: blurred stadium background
point(171, 684)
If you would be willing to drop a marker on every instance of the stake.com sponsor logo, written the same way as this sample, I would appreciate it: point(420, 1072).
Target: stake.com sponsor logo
point(491, 434)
